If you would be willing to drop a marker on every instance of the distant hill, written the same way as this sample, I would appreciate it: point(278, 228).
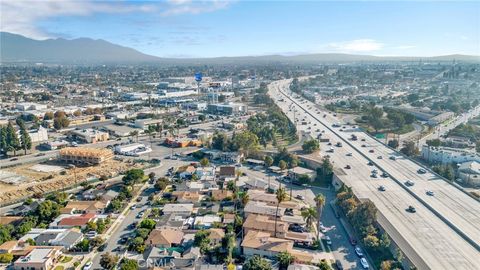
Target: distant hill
point(17, 48)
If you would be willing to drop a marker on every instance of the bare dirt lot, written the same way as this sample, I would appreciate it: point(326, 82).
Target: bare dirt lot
point(41, 182)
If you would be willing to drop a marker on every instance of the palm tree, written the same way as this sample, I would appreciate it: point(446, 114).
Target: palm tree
point(320, 202)
point(309, 215)
point(285, 259)
point(244, 198)
point(281, 196)
point(134, 134)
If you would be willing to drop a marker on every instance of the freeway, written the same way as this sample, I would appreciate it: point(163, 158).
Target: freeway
point(443, 234)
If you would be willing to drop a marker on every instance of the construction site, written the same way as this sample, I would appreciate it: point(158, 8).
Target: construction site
point(38, 178)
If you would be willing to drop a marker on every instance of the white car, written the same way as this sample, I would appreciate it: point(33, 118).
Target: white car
point(87, 266)
point(364, 263)
point(328, 240)
point(359, 252)
point(430, 193)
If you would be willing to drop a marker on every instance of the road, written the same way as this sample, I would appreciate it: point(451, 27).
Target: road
point(341, 248)
point(446, 228)
point(443, 129)
point(122, 228)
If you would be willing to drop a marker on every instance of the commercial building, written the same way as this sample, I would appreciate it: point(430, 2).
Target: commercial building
point(296, 172)
point(447, 155)
point(469, 173)
point(173, 92)
point(90, 135)
point(83, 155)
point(26, 106)
point(227, 109)
point(134, 149)
point(38, 135)
point(144, 123)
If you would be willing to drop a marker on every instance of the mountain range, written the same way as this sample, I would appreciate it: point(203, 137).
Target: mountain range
point(19, 49)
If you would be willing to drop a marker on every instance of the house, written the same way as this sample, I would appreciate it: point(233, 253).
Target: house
point(67, 238)
point(231, 157)
point(38, 258)
point(72, 207)
point(206, 222)
point(226, 171)
point(265, 224)
point(71, 221)
point(179, 208)
point(216, 235)
point(261, 243)
point(261, 208)
point(297, 172)
point(186, 172)
point(221, 194)
point(186, 196)
point(24, 209)
point(196, 186)
point(8, 246)
point(165, 237)
point(228, 218)
point(10, 220)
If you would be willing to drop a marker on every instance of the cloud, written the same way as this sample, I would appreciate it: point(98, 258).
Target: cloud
point(358, 45)
point(404, 47)
point(22, 17)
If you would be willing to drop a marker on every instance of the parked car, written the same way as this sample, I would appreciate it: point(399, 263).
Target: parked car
point(353, 241)
point(409, 183)
point(359, 251)
point(87, 266)
point(328, 240)
point(300, 197)
point(364, 263)
point(338, 265)
point(421, 171)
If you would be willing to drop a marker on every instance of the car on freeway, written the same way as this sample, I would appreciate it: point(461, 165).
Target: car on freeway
point(373, 175)
point(359, 251)
point(328, 240)
point(371, 151)
point(300, 197)
point(370, 163)
point(13, 159)
point(40, 155)
point(382, 188)
point(364, 263)
point(353, 241)
point(411, 209)
point(409, 183)
point(363, 145)
point(348, 167)
point(88, 265)
point(363, 139)
point(430, 193)
point(349, 154)
point(385, 175)
point(392, 158)
point(421, 171)
point(379, 157)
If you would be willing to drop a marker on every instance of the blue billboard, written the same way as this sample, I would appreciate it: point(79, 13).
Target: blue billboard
point(198, 76)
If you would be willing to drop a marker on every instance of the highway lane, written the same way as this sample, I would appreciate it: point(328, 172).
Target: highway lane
point(424, 232)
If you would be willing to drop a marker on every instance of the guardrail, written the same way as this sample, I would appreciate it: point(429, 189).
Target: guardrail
point(435, 212)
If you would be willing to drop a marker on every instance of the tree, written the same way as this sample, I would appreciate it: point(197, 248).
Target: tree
point(434, 142)
point(282, 165)
point(385, 241)
point(48, 116)
point(257, 263)
point(245, 141)
point(133, 176)
point(393, 143)
point(13, 144)
point(319, 203)
point(77, 113)
point(202, 117)
point(285, 259)
point(202, 241)
point(60, 114)
point(60, 122)
point(309, 215)
point(386, 265)
point(220, 141)
point(161, 183)
point(204, 162)
point(151, 176)
point(326, 170)
point(128, 264)
point(6, 258)
point(25, 140)
point(477, 146)
point(311, 146)
point(108, 260)
point(324, 265)
point(148, 224)
point(3, 140)
point(134, 134)
point(97, 241)
point(371, 242)
point(47, 211)
point(281, 196)
point(268, 160)
point(409, 149)
point(244, 198)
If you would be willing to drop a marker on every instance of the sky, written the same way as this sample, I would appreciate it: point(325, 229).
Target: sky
point(213, 28)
